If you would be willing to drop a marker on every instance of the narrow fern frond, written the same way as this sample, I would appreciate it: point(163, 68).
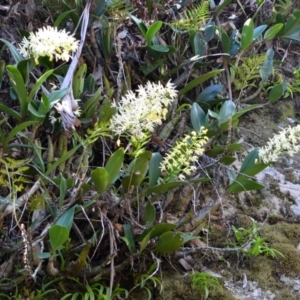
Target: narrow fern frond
point(194, 18)
point(247, 72)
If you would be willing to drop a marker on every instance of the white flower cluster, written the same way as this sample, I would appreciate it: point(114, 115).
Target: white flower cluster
point(139, 114)
point(179, 161)
point(49, 41)
point(283, 142)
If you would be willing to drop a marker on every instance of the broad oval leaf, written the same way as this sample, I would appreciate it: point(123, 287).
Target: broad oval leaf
point(100, 178)
point(247, 34)
point(242, 184)
point(200, 79)
point(13, 50)
point(156, 230)
point(266, 69)
point(209, 93)
point(169, 242)
point(142, 27)
point(258, 31)
point(271, 32)
point(18, 84)
point(276, 93)
point(226, 45)
point(154, 170)
point(58, 236)
point(129, 239)
point(132, 180)
point(152, 31)
point(149, 214)
point(249, 160)
point(226, 112)
point(198, 117)
point(114, 164)
point(38, 84)
point(199, 44)
point(160, 48)
point(66, 219)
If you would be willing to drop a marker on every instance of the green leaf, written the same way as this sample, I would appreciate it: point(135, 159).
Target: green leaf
point(227, 160)
point(66, 219)
point(187, 236)
point(114, 164)
point(129, 237)
point(198, 117)
point(10, 112)
point(221, 6)
point(18, 84)
point(44, 255)
point(13, 50)
point(78, 81)
point(100, 178)
point(199, 80)
point(244, 110)
point(276, 93)
point(38, 84)
point(150, 214)
point(36, 114)
point(156, 230)
point(257, 168)
point(142, 27)
point(169, 242)
point(12, 134)
point(199, 44)
point(258, 31)
point(217, 150)
point(152, 31)
point(242, 184)
point(106, 111)
point(226, 112)
point(225, 126)
point(89, 84)
point(291, 23)
point(58, 236)
point(132, 180)
point(89, 107)
point(209, 93)
point(154, 170)
point(62, 159)
point(271, 32)
point(234, 148)
point(226, 45)
point(63, 188)
point(140, 164)
point(62, 16)
point(160, 48)
point(25, 66)
point(247, 34)
point(55, 96)
point(144, 241)
point(249, 160)
point(266, 69)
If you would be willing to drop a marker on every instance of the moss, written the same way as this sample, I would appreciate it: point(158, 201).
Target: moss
point(290, 264)
point(287, 110)
point(243, 221)
point(281, 233)
point(262, 271)
point(285, 294)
